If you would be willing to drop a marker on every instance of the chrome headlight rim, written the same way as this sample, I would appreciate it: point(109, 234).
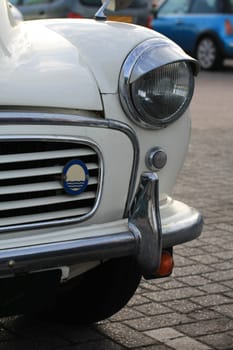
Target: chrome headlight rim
point(167, 53)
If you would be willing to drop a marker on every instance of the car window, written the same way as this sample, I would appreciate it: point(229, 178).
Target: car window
point(226, 6)
point(174, 7)
point(15, 2)
point(204, 6)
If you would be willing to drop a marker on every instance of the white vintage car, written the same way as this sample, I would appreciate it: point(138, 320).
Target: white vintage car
point(94, 130)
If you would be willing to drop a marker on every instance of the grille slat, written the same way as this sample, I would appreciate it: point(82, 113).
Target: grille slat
point(43, 186)
point(31, 186)
point(24, 219)
point(27, 157)
point(14, 174)
point(45, 201)
point(37, 187)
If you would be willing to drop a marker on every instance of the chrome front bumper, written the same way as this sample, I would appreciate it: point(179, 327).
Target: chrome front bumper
point(146, 232)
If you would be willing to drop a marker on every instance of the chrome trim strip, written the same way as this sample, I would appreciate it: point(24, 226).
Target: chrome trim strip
point(144, 58)
point(44, 256)
point(26, 117)
point(168, 52)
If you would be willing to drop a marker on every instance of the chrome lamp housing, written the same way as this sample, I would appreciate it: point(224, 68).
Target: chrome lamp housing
point(156, 83)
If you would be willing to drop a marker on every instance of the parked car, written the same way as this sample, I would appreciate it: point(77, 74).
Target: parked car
point(138, 12)
point(95, 126)
point(203, 28)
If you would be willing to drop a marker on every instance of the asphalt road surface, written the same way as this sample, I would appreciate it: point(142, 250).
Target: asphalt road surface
point(193, 310)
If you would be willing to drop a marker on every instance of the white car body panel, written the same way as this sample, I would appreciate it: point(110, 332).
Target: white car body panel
point(105, 51)
point(85, 70)
point(76, 185)
point(39, 72)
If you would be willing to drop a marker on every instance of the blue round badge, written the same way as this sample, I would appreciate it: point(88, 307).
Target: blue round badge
point(75, 177)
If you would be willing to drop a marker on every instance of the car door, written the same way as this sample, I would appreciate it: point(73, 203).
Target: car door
point(171, 18)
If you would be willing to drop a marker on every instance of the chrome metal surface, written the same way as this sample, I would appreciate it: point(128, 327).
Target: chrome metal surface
point(146, 57)
point(44, 256)
point(166, 52)
point(100, 15)
point(183, 230)
point(33, 118)
point(144, 219)
point(112, 5)
point(156, 159)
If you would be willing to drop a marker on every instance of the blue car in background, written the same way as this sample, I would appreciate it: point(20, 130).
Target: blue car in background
point(203, 28)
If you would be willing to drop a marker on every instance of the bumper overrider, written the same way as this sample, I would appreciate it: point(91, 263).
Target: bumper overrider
point(144, 234)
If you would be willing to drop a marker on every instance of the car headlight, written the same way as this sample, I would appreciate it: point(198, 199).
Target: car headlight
point(156, 83)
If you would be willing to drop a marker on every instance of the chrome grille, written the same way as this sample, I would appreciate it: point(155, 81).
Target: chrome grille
point(31, 189)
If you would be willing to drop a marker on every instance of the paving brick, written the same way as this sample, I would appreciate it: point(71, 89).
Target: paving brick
point(174, 294)
point(150, 286)
point(153, 309)
point(183, 306)
point(224, 255)
point(126, 314)
point(187, 343)
point(155, 347)
point(171, 283)
point(228, 283)
point(220, 341)
point(212, 299)
point(194, 269)
point(229, 294)
point(226, 265)
point(138, 300)
point(189, 252)
point(225, 226)
point(226, 310)
point(164, 334)
point(211, 249)
point(194, 281)
point(125, 335)
point(223, 276)
point(204, 314)
point(181, 261)
point(200, 328)
point(154, 322)
point(206, 259)
point(212, 288)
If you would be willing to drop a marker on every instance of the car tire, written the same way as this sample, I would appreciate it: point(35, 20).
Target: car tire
point(208, 53)
point(98, 293)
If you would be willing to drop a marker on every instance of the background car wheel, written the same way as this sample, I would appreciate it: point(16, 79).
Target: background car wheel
point(99, 293)
point(208, 54)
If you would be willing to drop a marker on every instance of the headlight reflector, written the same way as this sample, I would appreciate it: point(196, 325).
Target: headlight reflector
point(153, 94)
point(161, 96)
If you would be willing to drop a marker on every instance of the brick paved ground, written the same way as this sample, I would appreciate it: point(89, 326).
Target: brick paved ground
point(194, 309)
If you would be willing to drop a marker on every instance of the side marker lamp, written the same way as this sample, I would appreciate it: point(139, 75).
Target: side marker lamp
point(166, 265)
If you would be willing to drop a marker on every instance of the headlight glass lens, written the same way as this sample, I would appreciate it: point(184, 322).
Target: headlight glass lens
point(161, 95)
